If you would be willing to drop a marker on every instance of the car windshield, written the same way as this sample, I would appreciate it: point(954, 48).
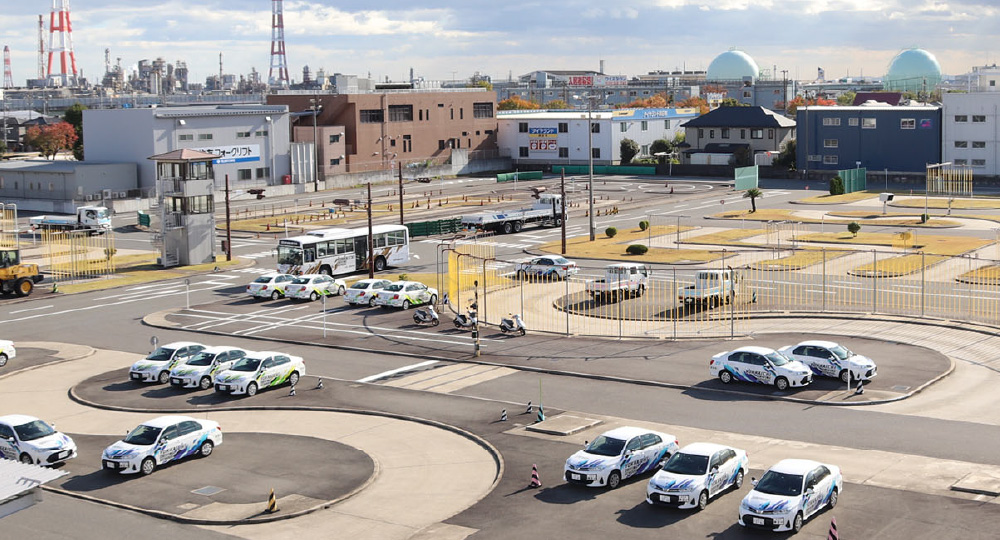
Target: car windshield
point(102, 213)
point(246, 364)
point(33, 430)
point(690, 464)
point(777, 358)
point(393, 287)
point(161, 354)
point(842, 352)
point(289, 255)
point(201, 359)
point(606, 446)
point(143, 435)
point(776, 483)
point(301, 281)
point(560, 260)
point(361, 285)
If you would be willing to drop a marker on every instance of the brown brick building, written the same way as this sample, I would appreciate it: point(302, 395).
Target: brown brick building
point(374, 131)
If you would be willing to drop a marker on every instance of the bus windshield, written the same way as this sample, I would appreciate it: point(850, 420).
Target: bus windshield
point(289, 255)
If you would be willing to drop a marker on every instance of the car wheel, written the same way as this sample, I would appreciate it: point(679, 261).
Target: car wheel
point(25, 458)
point(559, 222)
point(252, 389)
point(206, 449)
point(725, 376)
point(781, 383)
point(205, 383)
point(797, 522)
point(738, 483)
point(406, 304)
point(508, 228)
point(434, 299)
point(275, 295)
point(3, 360)
point(833, 498)
point(341, 291)
point(371, 302)
point(163, 377)
point(702, 500)
point(148, 466)
point(293, 379)
point(517, 226)
point(313, 296)
point(614, 479)
point(845, 376)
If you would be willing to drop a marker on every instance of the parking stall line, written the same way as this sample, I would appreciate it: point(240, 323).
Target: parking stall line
point(391, 372)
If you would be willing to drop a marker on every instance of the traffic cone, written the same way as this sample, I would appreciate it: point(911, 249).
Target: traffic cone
point(272, 503)
point(535, 481)
point(319, 385)
point(503, 415)
point(268, 225)
point(541, 414)
point(833, 535)
point(861, 388)
point(292, 391)
point(528, 410)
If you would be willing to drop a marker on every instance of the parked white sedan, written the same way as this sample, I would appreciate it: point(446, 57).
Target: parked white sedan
point(159, 441)
point(619, 454)
point(30, 440)
point(156, 367)
point(830, 359)
point(7, 351)
point(550, 266)
point(260, 370)
point(312, 286)
point(270, 286)
point(199, 370)
point(759, 365)
point(404, 294)
point(789, 493)
point(363, 292)
point(697, 473)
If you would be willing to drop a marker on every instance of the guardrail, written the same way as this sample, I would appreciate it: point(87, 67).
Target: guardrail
point(430, 228)
point(517, 176)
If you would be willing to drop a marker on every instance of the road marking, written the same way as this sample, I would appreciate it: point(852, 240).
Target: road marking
point(392, 372)
point(30, 309)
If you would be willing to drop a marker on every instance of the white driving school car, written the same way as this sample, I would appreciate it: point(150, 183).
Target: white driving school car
point(259, 370)
point(30, 440)
point(312, 286)
point(695, 474)
point(270, 286)
point(789, 493)
point(161, 440)
point(199, 370)
point(156, 367)
point(403, 294)
point(7, 351)
point(363, 292)
point(550, 266)
point(830, 359)
point(619, 454)
point(759, 365)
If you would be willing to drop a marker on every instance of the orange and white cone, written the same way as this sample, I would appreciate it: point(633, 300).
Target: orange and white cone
point(535, 481)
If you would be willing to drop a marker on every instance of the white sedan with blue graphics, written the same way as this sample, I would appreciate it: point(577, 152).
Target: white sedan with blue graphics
point(619, 454)
point(199, 370)
point(156, 367)
point(759, 365)
point(159, 441)
point(830, 359)
point(260, 370)
point(789, 493)
point(30, 440)
point(7, 351)
point(697, 473)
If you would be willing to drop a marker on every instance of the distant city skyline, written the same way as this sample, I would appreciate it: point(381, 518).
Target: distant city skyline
point(447, 40)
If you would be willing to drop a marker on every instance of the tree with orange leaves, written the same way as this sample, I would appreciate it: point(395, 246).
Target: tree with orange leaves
point(695, 103)
point(516, 103)
point(657, 101)
point(799, 101)
point(49, 140)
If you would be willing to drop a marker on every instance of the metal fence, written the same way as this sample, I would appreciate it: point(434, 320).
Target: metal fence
point(897, 282)
point(79, 255)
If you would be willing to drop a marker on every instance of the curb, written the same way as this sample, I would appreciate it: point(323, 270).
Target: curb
point(483, 443)
point(149, 320)
point(90, 351)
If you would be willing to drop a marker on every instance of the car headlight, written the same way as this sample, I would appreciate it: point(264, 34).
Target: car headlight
point(744, 506)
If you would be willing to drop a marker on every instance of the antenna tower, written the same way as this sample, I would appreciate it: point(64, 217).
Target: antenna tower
point(41, 48)
point(8, 77)
point(61, 42)
point(278, 59)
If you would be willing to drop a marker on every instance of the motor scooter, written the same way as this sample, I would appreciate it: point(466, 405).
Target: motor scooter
point(426, 316)
point(467, 320)
point(512, 324)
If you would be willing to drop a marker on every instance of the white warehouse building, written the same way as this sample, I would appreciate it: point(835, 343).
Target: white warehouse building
point(252, 141)
point(534, 137)
point(970, 131)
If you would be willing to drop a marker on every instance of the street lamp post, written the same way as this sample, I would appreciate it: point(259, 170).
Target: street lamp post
point(590, 162)
point(315, 106)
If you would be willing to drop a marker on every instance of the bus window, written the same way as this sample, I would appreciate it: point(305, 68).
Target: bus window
point(289, 255)
point(321, 249)
point(379, 240)
point(310, 255)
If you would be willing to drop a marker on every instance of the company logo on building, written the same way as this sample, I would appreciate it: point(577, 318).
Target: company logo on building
point(236, 153)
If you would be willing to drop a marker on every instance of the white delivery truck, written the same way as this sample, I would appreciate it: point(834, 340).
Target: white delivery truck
point(548, 211)
point(711, 288)
point(93, 219)
point(620, 280)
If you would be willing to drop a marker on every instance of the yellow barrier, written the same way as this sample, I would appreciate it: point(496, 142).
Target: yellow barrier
point(78, 255)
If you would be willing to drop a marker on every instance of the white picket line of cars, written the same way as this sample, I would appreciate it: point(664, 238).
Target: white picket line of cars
point(199, 370)
point(157, 365)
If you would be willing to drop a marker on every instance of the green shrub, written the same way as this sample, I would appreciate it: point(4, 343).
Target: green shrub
point(853, 228)
point(611, 232)
point(924, 218)
point(403, 277)
point(643, 225)
point(636, 249)
point(836, 185)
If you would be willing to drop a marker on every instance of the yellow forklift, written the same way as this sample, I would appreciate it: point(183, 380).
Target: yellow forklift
point(16, 278)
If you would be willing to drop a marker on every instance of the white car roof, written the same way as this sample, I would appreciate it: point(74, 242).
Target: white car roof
point(265, 354)
point(216, 349)
point(406, 283)
point(627, 432)
point(166, 421)
point(753, 349)
point(819, 343)
point(795, 466)
point(16, 419)
point(179, 344)
point(702, 449)
point(272, 275)
point(6, 342)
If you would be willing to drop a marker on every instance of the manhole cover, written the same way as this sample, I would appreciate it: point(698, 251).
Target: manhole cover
point(208, 490)
point(900, 388)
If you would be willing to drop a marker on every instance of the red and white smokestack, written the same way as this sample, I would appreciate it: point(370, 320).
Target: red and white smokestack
point(61, 45)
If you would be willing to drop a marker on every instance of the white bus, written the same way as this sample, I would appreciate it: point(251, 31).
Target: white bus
point(342, 251)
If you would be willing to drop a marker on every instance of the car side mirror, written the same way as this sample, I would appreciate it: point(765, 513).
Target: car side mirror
point(586, 444)
point(809, 492)
point(753, 481)
point(714, 471)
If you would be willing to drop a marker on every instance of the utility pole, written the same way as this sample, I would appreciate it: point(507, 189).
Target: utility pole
point(784, 88)
point(315, 107)
point(401, 193)
point(229, 232)
point(562, 210)
point(371, 242)
point(590, 161)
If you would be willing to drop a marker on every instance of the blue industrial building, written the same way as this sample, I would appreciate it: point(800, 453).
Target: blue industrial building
point(876, 137)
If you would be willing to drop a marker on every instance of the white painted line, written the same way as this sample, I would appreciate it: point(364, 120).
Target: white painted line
point(392, 372)
point(30, 309)
point(820, 291)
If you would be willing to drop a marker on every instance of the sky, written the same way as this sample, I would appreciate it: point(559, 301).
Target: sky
point(452, 39)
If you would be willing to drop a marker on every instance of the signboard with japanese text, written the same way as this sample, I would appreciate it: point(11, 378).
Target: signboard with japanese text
point(581, 80)
point(236, 153)
point(543, 139)
point(611, 80)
